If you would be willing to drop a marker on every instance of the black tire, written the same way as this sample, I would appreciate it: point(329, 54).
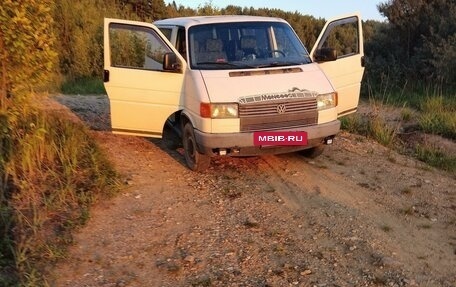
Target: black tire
point(195, 160)
point(313, 152)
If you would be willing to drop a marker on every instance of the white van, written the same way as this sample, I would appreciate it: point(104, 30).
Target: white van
point(232, 85)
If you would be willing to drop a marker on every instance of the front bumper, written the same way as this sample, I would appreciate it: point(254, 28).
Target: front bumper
point(241, 144)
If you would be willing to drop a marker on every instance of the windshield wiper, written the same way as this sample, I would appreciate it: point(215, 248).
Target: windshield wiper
point(218, 64)
point(227, 65)
point(279, 64)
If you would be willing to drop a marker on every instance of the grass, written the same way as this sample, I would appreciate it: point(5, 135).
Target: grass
point(435, 105)
point(354, 123)
point(83, 86)
point(433, 109)
point(372, 126)
point(435, 157)
point(438, 116)
point(53, 172)
point(381, 131)
point(407, 114)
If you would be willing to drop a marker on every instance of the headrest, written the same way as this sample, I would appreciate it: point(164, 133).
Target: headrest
point(214, 45)
point(248, 42)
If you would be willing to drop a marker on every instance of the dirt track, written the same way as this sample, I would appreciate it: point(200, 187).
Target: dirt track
point(359, 215)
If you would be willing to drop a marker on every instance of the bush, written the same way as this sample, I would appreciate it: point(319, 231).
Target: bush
point(54, 175)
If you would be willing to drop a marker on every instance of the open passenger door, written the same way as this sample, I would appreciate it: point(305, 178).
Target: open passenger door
point(340, 53)
point(143, 76)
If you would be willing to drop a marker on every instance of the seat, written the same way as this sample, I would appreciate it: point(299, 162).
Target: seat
point(213, 52)
point(249, 45)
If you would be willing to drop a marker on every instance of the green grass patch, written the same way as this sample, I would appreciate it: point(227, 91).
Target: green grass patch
point(379, 130)
point(407, 94)
point(436, 158)
point(83, 86)
point(431, 110)
point(407, 114)
point(442, 123)
point(53, 172)
point(372, 126)
point(436, 106)
point(354, 123)
point(438, 116)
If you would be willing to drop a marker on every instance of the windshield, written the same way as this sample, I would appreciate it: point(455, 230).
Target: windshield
point(245, 45)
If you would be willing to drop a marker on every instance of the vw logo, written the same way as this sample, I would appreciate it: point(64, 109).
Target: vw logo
point(281, 108)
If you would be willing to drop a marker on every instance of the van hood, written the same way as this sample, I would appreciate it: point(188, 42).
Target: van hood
point(239, 85)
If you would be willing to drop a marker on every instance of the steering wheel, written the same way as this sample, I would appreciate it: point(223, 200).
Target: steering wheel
point(251, 56)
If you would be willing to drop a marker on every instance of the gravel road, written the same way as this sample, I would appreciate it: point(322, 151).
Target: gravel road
point(359, 215)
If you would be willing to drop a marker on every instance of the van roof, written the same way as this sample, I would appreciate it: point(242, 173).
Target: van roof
point(198, 20)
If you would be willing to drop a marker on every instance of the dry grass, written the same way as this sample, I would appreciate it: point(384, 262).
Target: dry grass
point(432, 112)
point(53, 173)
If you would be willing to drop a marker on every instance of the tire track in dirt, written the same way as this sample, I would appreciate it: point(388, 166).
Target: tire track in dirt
point(387, 235)
point(341, 220)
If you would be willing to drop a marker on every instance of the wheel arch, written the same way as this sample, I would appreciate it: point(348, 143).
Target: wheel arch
point(185, 118)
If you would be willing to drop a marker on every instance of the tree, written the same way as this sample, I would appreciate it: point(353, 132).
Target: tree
point(208, 9)
point(27, 56)
point(232, 10)
point(404, 17)
point(424, 38)
point(79, 26)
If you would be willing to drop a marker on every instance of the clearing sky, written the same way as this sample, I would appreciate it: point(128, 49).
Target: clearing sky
point(318, 8)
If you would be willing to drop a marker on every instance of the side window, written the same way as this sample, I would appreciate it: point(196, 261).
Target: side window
point(181, 43)
point(167, 32)
point(342, 35)
point(136, 47)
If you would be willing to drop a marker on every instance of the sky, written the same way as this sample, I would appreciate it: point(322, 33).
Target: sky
point(318, 8)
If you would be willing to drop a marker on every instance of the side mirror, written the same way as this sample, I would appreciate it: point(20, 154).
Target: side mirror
point(325, 55)
point(171, 63)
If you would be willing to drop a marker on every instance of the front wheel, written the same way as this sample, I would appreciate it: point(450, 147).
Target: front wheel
point(195, 160)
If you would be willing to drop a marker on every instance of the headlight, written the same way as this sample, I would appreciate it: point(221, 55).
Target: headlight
point(219, 111)
point(326, 101)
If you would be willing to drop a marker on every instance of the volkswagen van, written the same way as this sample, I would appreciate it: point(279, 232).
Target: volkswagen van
point(232, 85)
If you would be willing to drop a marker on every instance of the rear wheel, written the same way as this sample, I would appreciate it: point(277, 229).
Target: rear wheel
point(195, 160)
point(313, 152)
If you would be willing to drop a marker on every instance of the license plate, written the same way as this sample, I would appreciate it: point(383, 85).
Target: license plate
point(279, 138)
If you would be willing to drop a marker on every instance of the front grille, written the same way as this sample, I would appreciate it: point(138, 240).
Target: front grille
point(269, 115)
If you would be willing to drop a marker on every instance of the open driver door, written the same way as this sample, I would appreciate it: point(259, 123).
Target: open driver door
point(143, 77)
